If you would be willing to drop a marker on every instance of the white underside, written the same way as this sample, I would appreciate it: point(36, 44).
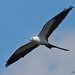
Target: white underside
point(39, 40)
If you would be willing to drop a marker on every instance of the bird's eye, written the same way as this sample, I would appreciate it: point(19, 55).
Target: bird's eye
point(31, 39)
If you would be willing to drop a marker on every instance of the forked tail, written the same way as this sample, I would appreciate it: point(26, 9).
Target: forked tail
point(52, 46)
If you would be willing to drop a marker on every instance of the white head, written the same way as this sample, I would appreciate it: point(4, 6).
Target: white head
point(39, 40)
point(34, 38)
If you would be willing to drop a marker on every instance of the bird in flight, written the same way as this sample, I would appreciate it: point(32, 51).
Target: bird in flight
point(41, 38)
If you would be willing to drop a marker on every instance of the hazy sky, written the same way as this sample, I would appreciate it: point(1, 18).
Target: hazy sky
point(22, 19)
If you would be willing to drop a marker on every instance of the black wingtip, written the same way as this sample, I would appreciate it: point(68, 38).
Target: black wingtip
point(70, 7)
point(6, 65)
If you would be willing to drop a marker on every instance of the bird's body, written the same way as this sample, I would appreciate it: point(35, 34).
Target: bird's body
point(41, 39)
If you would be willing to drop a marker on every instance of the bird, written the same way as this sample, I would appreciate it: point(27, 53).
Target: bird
point(41, 38)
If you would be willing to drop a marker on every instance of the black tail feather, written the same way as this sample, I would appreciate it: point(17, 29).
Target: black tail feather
point(52, 46)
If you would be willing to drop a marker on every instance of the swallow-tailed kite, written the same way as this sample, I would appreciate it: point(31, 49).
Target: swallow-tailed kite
point(41, 39)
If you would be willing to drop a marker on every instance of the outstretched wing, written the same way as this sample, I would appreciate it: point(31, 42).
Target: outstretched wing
point(51, 25)
point(21, 52)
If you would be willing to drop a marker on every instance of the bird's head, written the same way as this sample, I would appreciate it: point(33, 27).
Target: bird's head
point(32, 38)
point(35, 38)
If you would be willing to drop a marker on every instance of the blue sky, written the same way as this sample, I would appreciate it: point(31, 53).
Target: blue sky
point(22, 19)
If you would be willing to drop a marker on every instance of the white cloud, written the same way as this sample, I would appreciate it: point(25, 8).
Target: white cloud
point(43, 61)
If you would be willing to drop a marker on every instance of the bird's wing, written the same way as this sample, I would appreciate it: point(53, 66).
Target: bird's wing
point(51, 25)
point(21, 52)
